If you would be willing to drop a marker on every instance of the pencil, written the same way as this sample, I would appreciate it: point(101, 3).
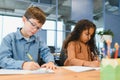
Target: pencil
point(30, 57)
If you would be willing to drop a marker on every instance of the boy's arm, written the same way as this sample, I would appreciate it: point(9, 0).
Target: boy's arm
point(6, 60)
point(45, 53)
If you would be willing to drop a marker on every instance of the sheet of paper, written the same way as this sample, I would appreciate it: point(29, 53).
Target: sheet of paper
point(81, 68)
point(14, 71)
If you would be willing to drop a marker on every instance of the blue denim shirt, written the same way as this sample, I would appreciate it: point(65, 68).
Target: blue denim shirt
point(14, 47)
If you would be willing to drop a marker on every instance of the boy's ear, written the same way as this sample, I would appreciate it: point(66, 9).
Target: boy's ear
point(24, 18)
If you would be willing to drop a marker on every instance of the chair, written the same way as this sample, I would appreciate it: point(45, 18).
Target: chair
point(52, 49)
point(63, 57)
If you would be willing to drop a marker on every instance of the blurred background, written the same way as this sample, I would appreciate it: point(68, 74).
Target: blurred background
point(62, 16)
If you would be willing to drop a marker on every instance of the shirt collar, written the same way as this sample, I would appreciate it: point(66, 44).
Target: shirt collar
point(20, 36)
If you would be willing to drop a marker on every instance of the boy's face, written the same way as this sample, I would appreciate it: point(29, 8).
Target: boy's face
point(86, 35)
point(31, 26)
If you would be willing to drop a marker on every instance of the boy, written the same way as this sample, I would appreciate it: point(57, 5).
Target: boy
point(21, 49)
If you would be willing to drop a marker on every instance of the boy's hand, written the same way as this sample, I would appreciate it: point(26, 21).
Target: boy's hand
point(30, 66)
point(49, 65)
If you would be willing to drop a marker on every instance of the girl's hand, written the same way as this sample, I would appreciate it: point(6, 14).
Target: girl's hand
point(95, 63)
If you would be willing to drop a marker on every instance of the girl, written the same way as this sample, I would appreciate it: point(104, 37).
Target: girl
point(80, 45)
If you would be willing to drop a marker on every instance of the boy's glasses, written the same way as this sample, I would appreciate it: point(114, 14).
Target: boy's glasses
point(34, 26)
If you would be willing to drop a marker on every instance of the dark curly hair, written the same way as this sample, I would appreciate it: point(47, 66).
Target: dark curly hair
point(76, 33)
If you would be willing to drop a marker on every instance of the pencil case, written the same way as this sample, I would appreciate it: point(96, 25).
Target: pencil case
point(110, 69)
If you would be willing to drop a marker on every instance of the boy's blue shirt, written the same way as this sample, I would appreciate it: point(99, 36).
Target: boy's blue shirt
point(14, 47)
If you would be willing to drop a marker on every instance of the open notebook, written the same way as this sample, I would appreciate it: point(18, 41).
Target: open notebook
point(81, 68)
point(16, 71)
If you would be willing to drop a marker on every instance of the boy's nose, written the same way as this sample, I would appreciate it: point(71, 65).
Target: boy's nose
point(89, 37)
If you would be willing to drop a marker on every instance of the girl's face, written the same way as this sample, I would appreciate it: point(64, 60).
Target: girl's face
point(31, 26)
point(86, 35)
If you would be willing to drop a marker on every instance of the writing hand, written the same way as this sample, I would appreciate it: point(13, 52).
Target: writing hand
point(30, 65)
point(95, 63)
point(92, 63)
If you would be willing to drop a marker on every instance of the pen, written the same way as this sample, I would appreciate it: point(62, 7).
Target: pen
point(29, 56)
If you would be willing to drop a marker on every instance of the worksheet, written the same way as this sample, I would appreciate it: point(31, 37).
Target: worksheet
point(16, 71)
point(81, 68)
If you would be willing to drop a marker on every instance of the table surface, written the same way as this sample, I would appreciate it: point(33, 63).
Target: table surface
point(60, 74)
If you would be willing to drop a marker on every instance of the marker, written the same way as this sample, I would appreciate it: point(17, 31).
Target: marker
point(108, 48)
point(116, 51)
point(29, 56)
point(103, 52)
